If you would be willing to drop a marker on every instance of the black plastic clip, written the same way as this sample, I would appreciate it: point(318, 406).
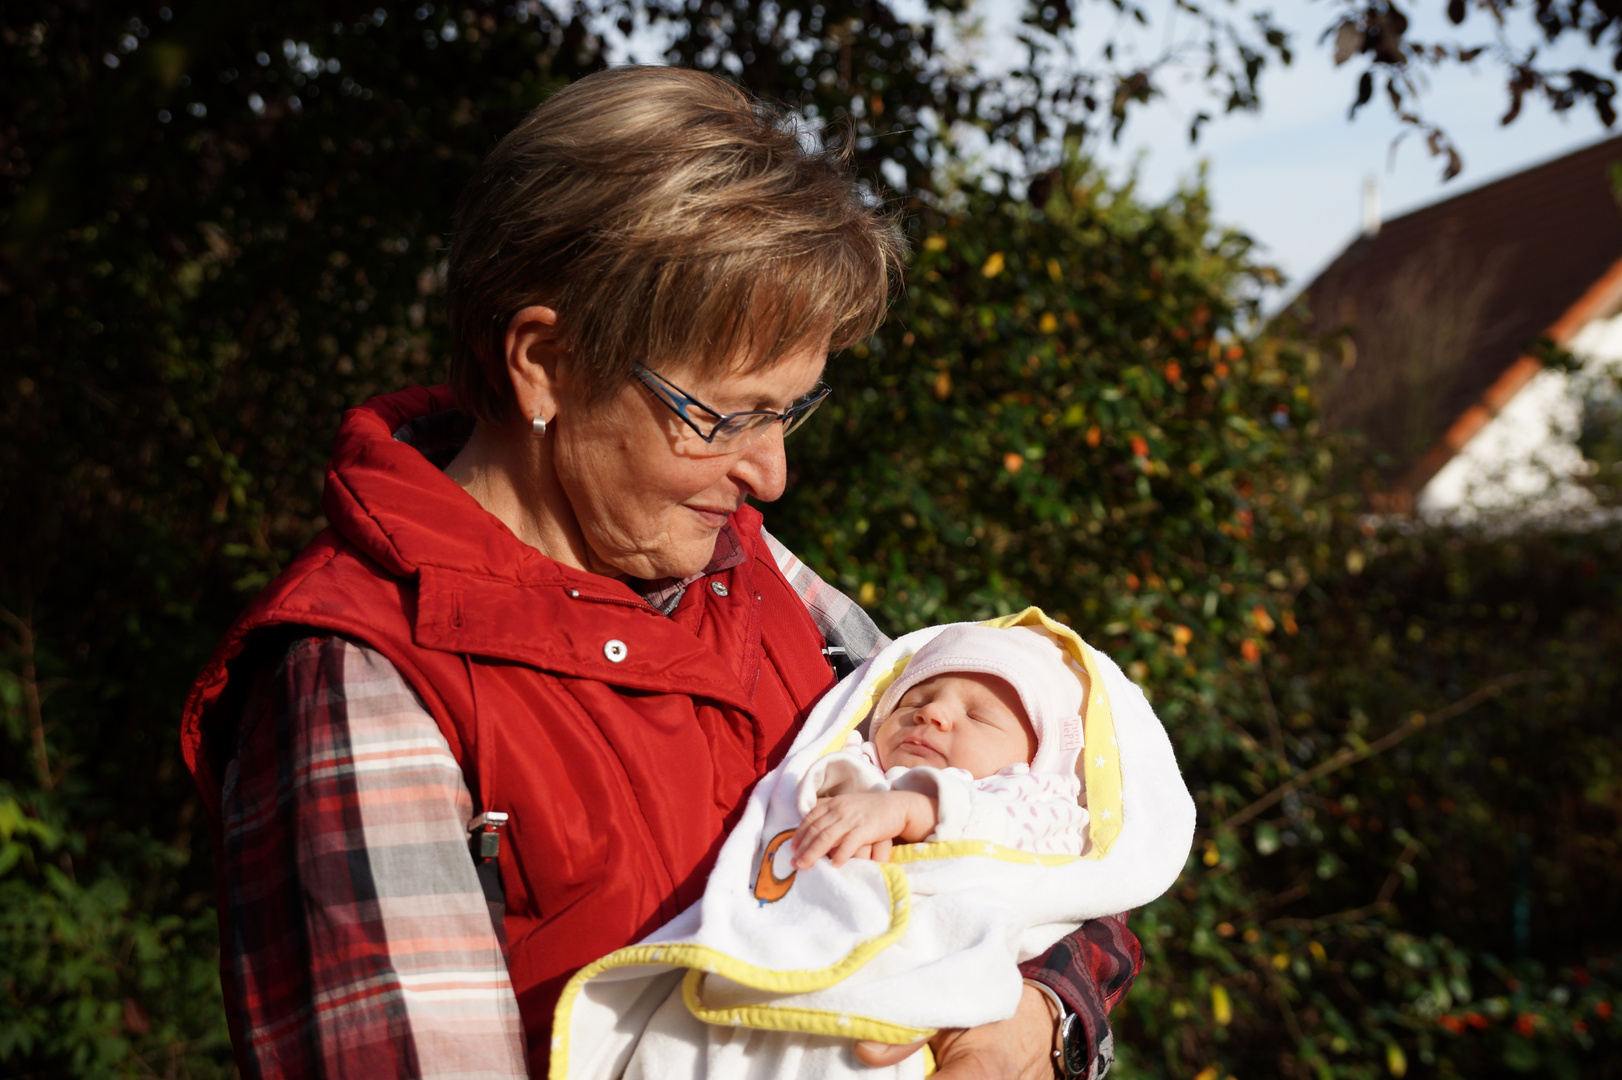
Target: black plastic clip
point(484, 834)
point(484, 841)
point(838, 659)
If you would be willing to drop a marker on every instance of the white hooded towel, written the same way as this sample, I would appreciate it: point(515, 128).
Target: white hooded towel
point(889, 951)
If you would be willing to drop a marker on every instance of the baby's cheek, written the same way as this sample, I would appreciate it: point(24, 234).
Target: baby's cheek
point(884, 741)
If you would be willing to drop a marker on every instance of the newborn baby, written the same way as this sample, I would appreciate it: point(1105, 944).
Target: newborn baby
point(976, 739)
point(971, 763)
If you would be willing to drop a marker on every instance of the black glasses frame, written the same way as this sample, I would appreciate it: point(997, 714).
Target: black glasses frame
point(729, 425)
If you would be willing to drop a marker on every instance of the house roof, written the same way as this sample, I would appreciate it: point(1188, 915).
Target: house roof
point(1443, 305)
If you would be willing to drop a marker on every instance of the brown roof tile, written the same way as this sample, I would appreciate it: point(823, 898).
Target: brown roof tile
point(1444, 300)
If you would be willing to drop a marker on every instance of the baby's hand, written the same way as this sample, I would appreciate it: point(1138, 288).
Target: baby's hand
point(862, 826)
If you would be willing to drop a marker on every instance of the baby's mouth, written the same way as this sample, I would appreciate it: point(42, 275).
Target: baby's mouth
point(922, 749)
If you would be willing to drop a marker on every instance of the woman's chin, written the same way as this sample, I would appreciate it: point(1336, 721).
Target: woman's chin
point(686, 561)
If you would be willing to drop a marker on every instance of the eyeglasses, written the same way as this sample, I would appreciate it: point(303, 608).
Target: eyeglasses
point(727, 427)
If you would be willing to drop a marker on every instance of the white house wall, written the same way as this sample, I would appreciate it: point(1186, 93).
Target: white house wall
point(1524, 463)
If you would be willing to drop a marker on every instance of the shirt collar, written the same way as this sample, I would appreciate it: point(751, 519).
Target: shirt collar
point(665, 593)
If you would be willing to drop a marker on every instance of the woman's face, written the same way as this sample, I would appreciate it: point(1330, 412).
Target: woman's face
point(650, 497)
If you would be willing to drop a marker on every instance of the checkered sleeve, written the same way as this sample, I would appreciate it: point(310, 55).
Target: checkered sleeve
point(1091, 969)
point(843, 623)
point(360, 943)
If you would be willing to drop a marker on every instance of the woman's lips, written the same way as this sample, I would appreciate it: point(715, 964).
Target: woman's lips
point(712, 516)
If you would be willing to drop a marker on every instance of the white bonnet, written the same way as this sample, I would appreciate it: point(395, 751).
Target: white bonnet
point(1029, 660)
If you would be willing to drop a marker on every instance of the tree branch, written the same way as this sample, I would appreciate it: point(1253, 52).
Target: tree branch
point(23, 627)
point(1382, 900)
point(1275, 731)
point(1350, 756)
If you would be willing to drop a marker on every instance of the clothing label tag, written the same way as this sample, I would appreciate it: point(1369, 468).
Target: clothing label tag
point(1071, 737)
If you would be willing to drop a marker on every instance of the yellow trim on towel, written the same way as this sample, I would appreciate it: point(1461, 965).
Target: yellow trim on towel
point(797, 1019)
point(702, 959)
point(1101, 762)
point(959, 849)
point(854, 718)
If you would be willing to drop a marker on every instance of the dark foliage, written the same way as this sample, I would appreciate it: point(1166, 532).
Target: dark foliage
point(224, 224)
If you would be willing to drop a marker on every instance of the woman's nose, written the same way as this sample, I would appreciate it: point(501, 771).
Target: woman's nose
point(761, 466)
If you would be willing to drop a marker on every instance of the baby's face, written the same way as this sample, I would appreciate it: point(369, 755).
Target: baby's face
point(964, 721)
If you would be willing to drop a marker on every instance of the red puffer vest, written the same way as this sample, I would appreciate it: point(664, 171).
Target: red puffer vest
point(622, 742)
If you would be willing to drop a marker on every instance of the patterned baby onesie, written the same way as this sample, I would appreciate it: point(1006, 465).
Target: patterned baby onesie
point(1014, 807)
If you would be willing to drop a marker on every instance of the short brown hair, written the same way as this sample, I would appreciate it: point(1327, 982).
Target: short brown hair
point(669, 218)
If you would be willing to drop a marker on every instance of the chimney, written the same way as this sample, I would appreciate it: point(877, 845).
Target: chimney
point(1371, 206)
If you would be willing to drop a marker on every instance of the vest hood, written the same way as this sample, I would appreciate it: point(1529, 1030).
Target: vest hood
point(386, 498)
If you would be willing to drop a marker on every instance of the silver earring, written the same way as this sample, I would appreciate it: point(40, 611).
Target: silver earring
point(538, 426)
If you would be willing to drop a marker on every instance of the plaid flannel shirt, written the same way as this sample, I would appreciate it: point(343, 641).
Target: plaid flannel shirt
point(361, 944)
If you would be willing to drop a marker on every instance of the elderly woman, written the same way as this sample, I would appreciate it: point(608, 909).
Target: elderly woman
point(543, 595)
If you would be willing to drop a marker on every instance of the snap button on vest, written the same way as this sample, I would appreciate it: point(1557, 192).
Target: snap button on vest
point(717, 588)
point(614, 649)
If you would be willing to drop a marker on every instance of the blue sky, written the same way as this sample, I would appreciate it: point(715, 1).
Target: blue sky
point(1292, 176)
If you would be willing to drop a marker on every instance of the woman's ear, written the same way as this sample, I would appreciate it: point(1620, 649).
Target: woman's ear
point(533, 351)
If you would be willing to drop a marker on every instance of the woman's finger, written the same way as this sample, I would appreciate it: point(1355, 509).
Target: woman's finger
point(1019, 1048)
point(877, 1054)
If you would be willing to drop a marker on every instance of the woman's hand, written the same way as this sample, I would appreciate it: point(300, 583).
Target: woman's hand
point(1019, 1048)
point(862, 826)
